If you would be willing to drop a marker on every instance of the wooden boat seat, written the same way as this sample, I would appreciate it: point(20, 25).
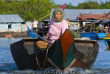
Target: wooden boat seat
point(42, 44)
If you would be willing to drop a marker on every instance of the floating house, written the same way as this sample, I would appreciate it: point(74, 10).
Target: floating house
point(11, 23)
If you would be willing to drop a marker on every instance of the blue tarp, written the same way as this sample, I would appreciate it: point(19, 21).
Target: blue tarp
point(92, 35)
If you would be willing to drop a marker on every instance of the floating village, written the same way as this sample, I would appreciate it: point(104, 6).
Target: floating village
point(82, 21)
point(83, 47)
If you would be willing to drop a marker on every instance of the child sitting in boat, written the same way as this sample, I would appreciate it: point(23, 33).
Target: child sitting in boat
point(56, 28)
point(57, 24)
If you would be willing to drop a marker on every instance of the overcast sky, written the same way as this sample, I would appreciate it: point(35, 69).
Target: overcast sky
point(75, 2)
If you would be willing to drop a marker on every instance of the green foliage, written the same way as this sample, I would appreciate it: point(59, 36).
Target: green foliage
point(89, 5)
point(69, 6)
point(27, 9)
point(105, 5)
point(30, 9)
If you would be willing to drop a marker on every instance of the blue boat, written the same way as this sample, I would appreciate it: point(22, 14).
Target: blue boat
point(101, 35)
point(92, 35)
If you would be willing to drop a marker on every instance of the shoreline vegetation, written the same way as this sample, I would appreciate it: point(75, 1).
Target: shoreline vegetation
point(30, 9)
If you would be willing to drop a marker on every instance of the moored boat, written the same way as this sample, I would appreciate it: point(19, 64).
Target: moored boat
point(66, 52)
point(101, 35)
point(91, 35)
point(107, 41)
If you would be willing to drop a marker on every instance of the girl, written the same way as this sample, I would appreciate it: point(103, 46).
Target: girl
point(57, 25)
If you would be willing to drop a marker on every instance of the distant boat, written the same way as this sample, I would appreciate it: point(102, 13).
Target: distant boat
point(107, 40)
point(101, 35)
point(92, 35)
point(66, 52)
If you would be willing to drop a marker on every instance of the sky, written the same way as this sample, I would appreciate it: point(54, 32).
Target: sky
point(75, 2)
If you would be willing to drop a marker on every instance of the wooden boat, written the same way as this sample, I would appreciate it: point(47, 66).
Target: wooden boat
point(92, 35)
point(101, 35)
point(75, 53)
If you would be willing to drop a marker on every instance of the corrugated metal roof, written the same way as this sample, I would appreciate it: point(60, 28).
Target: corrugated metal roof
point(74, 13)
point(10, 18)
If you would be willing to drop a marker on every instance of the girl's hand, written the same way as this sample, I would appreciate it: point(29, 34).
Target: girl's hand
point(45, 40)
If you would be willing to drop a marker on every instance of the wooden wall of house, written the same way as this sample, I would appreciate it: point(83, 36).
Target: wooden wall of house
point(15, 27)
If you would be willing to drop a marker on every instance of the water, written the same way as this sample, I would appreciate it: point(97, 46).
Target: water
point(8, 66)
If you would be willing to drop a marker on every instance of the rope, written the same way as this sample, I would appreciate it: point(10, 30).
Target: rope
point(44, 60)
point(38, 62)
point(46, 57)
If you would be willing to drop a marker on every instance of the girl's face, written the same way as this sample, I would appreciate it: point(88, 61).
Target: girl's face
point(58, 15)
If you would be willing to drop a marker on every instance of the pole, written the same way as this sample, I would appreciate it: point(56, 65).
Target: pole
point(41, 38)
point(44, 16)
point(21, 27)
point(108, 24)
point(91, 25)
point(77, 25)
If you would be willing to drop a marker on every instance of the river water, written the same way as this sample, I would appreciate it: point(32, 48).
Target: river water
point(8, 66)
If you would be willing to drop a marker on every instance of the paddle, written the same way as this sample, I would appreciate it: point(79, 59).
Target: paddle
point(36, 35)
point(41, 37)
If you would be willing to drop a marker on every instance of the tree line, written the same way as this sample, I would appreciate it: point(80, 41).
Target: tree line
point(90, 5)
point(36, 9)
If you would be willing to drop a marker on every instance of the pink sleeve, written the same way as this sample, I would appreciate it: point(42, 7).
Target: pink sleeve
point(64, 27)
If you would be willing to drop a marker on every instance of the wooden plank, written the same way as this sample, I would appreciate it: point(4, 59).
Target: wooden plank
point(85, 44)
point(8, 36)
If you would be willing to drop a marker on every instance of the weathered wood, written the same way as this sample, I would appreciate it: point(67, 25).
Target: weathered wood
point(85, 54)
point(24, 54)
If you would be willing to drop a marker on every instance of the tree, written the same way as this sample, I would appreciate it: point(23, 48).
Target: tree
point(89, 5)
point(30, 9)
point(105, 5)
point(27, 9)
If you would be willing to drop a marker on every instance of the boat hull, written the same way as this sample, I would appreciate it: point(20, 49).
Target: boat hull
point(101, 35)
point(92, 35)
point(24, 54)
